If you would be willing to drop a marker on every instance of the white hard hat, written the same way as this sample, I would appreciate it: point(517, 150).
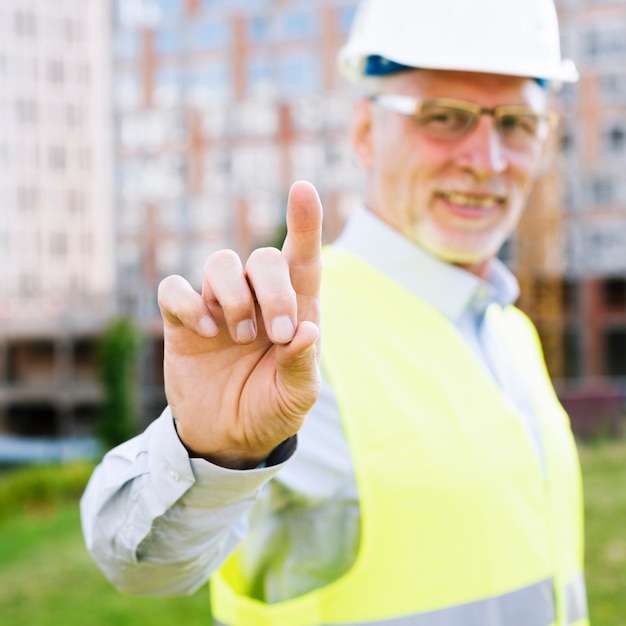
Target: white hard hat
point(513, 37)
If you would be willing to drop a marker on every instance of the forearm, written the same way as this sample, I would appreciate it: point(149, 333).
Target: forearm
point(156, 522)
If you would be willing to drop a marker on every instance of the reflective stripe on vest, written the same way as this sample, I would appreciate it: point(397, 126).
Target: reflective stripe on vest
point(576, 600)
point(530, 606)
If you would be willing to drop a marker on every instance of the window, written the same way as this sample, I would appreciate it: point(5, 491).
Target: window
point(257, 30)
point(260, 74)
point(169, 9)
point(29, 285)
point(604, 42)
point(615, 139)
point(300, 24)
point(572, 362)
point(244, 5)
point(86, 243)
point(25, 24)
point(209, 82)
point(567, 93)
point(56, 158)
point(345, 15)
point(569, 297)
point(307, 160)
point(602, 191)
point(255, 167)
point(168, 86)
point(566, 140)
point(266, 217)
point(255, 118)
point(127, 90)
point(604, 247)
point(4, 156)
point(26, 199)
point(84, 73)
point(613, 86)
point(205, 35)
point(26, 111)
point(141, 13)
point(126, 44)
point(168, 41)
point(75, 202)
point(300, 74)
point(56, 71)
point(615, 352)
point(74, 116)
point(84, 158)
point(58, 244)
point(213, 4)
point(72, 30)
point(614, 293)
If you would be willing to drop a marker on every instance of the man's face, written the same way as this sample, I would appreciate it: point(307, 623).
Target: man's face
point(459, 198)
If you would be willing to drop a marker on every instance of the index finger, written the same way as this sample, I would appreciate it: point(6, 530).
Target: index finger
point(303, 244)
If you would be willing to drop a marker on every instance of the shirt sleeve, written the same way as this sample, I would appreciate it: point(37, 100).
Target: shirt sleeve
point(157, 522)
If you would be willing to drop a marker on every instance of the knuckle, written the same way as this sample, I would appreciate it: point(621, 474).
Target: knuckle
point(237, 305)
point(283, 296)
point(186, 311)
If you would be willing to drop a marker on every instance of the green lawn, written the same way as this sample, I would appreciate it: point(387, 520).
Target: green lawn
point(604, 474)
point(47, 578)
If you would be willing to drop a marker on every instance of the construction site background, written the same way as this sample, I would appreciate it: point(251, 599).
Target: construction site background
point(138, 136)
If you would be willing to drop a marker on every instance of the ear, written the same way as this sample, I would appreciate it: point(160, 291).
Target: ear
point(361, 133)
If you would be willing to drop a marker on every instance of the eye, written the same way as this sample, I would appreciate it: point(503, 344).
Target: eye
point(445, 120)
point(518, 123)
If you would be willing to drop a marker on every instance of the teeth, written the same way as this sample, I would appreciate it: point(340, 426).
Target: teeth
point(473, 201)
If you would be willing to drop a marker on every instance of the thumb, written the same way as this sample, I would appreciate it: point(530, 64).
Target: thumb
point(298, 376)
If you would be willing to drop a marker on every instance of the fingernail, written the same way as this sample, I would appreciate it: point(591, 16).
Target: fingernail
point(246, 331)
point(282, 329)
point(207, 327)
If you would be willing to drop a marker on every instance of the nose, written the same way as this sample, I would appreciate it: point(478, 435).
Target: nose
point(482, 153)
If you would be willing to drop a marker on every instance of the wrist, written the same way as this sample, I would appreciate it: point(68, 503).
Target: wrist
point(229, 458)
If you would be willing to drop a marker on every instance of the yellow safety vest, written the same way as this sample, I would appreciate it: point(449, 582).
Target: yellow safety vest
point(460, 525)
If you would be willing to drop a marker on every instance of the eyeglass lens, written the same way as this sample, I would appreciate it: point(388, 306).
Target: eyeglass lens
point(451, 120)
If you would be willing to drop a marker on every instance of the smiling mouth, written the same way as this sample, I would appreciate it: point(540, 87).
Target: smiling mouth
point(471, 205)
point(473, 200)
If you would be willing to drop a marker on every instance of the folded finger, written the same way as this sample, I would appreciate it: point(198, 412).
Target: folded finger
point(181, 305)
point(267, 271)
point(228, 295)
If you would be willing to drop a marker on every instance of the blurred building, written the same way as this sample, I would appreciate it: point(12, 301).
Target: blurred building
point(593, 162)
point(56, 235)
point(219, 106)
point(209, 109)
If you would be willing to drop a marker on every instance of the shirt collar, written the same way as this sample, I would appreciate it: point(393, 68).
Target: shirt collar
point(450, 289)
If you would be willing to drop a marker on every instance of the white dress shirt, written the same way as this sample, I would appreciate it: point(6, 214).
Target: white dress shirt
point(159, 522)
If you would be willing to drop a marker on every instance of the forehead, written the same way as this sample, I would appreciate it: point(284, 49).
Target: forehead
point(487, 90)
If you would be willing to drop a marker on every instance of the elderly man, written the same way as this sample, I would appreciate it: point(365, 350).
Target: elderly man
point(435, 479)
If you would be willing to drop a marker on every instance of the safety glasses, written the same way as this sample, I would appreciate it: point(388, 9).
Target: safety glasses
point(443, 118)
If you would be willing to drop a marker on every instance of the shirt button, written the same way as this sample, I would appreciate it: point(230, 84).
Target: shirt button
point(173, 474)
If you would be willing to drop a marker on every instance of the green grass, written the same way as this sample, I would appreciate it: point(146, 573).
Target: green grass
point(46, 576)
point(604, 475)
point(48, 579)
